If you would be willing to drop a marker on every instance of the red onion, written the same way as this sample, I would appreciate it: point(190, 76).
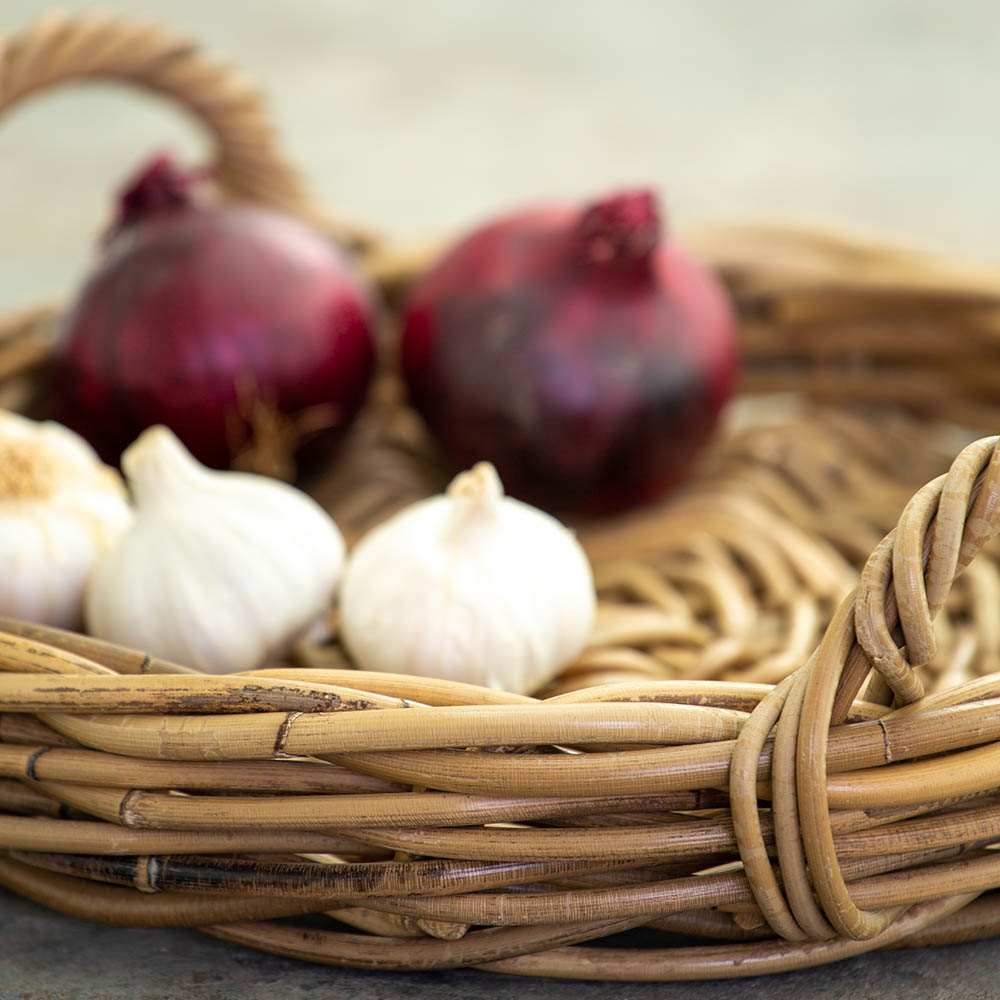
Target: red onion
point(584, 356)
point(195, 314)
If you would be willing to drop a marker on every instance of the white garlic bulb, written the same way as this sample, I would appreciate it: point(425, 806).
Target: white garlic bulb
point(220, 570)
point(469, 586)
point(60, 508)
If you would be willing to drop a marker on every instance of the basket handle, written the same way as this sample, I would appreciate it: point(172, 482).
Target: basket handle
point(886, 626)
point(61, 48)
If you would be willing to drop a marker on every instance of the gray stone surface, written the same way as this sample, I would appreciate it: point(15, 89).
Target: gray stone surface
point(46, 956)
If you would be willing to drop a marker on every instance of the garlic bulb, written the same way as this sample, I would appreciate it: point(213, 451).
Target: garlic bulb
point(469, 586)
point(60, 507)
point(220, 570)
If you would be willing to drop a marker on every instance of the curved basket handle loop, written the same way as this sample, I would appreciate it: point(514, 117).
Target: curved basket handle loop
point(60, 49)
point(886, 626)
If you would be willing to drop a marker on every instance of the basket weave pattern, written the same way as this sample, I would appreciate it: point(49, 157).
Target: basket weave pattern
point(783, 738)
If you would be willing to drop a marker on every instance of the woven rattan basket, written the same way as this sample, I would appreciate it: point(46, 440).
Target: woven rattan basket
point(782, 743)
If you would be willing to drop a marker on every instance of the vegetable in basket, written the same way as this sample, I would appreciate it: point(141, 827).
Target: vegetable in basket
point(198, 316)
point(470, 586)
point(581, 352)
point(60, 508)
point(219, 570)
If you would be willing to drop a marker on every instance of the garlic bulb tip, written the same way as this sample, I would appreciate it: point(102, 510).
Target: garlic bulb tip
point(481, 483)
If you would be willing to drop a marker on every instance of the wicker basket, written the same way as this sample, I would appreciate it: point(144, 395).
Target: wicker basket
point(782, 743)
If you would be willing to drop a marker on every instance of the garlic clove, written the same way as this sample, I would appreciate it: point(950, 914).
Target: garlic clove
point(221, 570)
point(471, 586)
point(60, 508)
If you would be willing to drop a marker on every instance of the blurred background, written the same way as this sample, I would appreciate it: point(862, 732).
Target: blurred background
point(424, 118)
